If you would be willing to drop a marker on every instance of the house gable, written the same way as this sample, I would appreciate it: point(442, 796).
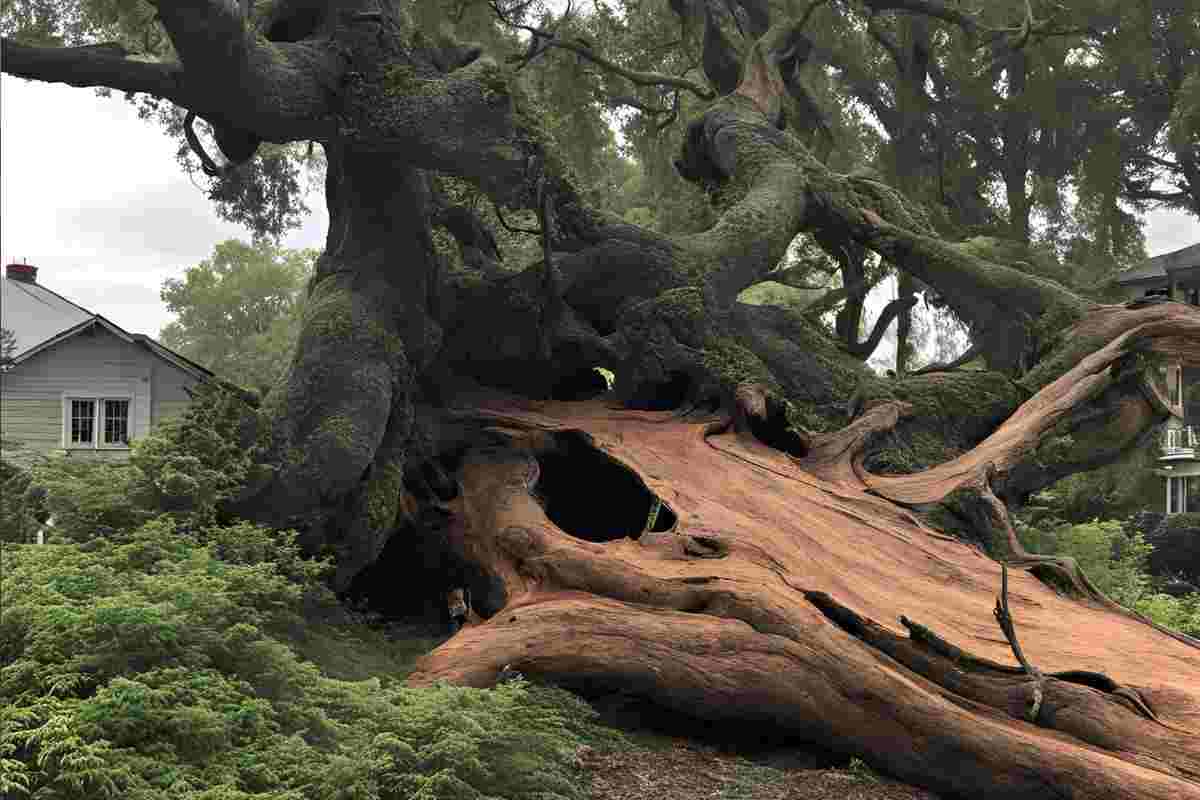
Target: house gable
point(96, 362)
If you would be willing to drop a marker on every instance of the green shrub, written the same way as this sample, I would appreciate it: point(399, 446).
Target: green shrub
point(1178, 613)
point(1115, 563)
point(203, 458)
point(1115, 560)
point(151, 651)
point(90, 498)
point(161, 663)
point(188, 466)
point(18, 510)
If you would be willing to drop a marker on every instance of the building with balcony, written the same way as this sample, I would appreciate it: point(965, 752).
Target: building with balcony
point(1175, 276)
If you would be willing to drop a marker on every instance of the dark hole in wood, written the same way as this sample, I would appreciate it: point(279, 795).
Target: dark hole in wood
point(300, 23)
point(409, 580)
point(591, 496)
point(775, 432)
point(666, 396)
point(583, 384)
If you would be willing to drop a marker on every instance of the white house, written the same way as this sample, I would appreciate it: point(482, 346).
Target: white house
point(77, 382)
point(1175, 276)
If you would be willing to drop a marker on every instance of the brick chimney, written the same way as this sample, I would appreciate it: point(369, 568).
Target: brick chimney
point(21, 272)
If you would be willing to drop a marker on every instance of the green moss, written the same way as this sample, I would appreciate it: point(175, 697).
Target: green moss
point(686, 302)
point(914, 451)
point(683, 310)
point(941, 518)
point(731, 364)
point(495, 79)
point(954, 397)
point(1047, 330)
point(383, 496)
point(329, 313)
point(332, 316)
point(337, 430)
point(392, 345)
point(806, 416)
point(958, 509)
point(402, 80)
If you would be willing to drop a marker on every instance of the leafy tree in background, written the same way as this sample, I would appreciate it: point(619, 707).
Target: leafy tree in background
point(238, 312)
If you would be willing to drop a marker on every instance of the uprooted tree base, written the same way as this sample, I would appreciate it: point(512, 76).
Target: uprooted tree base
point(769, 603)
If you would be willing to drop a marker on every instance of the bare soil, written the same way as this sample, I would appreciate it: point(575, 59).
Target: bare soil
point(679, 769)
point(671, 757)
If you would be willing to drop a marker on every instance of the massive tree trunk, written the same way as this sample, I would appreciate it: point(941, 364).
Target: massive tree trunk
point(734, 530)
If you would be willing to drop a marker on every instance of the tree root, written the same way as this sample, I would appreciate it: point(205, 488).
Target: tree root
point(1088, 705)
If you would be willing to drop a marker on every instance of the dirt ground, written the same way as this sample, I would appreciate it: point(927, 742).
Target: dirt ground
point(674, 759)
point(687, 770)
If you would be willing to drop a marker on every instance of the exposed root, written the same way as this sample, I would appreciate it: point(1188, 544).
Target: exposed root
point(1088, 705)
point(1056, 572)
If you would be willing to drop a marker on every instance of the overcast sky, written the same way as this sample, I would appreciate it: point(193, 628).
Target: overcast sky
point(92, 196)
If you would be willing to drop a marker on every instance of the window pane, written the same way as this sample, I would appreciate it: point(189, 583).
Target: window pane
point(116, 422)
point(83, 421)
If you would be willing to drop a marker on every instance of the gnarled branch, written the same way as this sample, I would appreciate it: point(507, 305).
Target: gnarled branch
point(865, 348)
point(109, 65)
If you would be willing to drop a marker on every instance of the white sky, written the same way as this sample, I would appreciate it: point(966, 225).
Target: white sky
point(92, 196)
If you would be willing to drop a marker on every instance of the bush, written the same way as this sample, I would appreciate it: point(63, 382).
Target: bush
point(150, 651)
point(1115, 559)
point(189, 466)
point(1114, 563)
point(160, 663)
point(90, 498)
point(18, 510)
point(202, 459)
point(1176, 541)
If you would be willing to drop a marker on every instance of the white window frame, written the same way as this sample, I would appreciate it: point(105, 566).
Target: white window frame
point(97, 442)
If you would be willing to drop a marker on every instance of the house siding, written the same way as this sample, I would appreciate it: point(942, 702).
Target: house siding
point(168, 409)
point(167, 383)
point(31, 426)
point(93, 363)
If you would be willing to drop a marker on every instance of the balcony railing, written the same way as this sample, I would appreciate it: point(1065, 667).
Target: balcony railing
point(1181, 442)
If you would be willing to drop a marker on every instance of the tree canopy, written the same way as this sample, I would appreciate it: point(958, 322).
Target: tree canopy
point(728, 529)
point(238, 312)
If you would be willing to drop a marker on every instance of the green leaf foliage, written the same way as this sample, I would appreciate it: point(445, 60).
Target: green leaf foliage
point(157, 649)
point(19, 512)
point(187, 467)
point(1115, 560)
point(161, 663)
point(238, 313)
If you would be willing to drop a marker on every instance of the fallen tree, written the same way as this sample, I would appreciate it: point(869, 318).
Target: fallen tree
point(734, 529)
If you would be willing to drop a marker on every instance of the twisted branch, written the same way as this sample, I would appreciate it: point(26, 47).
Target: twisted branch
point(206, 162)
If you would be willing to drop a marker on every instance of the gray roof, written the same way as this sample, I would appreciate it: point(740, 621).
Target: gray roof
point(1159, 266)
point(41, 318)
point(36, 314)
